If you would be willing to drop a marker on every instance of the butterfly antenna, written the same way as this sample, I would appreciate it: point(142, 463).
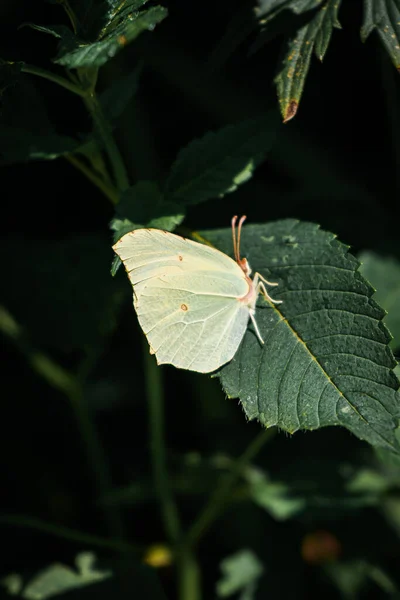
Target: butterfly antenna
point(235, 246)
point(242, 220)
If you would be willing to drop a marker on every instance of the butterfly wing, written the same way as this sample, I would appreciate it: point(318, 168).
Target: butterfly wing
point(199, 331)
point(186, 298)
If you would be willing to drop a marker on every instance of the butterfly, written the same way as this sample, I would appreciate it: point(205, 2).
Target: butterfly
point(192, 301)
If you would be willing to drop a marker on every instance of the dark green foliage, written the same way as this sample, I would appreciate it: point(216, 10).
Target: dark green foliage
point(184, 485)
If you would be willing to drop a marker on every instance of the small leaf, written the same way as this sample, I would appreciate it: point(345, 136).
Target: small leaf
point(240, 573)
point(139, 202)
point(218, 162)
point(292, 75)
point(384, 16)
point(274, 497)
point(326, 358)
point(19, 145)
point(117, 97)
point(384, 274)
point(142, 205)
point(117, 35)
point(330, 21)
point(25, 129)
point(58, 578)
point(350, 577)
point(58, 31)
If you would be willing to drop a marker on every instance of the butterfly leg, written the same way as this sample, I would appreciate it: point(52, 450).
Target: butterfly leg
point(260, 287)
point(253, 320)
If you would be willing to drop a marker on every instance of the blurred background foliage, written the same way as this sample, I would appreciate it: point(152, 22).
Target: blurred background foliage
point(318, 513)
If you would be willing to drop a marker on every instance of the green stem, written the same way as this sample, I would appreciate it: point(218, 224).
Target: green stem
point(59, 378)
point(68, 85)
point(96, 458)
point(155, 396)
point(189, 577)
point(108, 191)
point(105, 132)
point(224, 491)
point(68, 534)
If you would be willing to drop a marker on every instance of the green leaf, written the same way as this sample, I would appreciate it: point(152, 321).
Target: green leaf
point(274, 497)
point(269, 9)
point(218, 162)
point(326, 359)
point(25, 129)
point(118, 34)
point(58, 31)
point(140, 202)
point(86, 581)
point(56, 579)
point(117, 97)
point(384, 274)
point(329, 15)
point(293, 72)
point(143, 205)
point(384, 16)
point(350, 577)
point(20, 145)
point(240, 573)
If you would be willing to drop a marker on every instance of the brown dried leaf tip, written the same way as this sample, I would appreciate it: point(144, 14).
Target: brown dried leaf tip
point(291, 111)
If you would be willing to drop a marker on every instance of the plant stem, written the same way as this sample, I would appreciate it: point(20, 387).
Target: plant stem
point(189, 577)
point(95, 179)
point(72, 87)
point(105, 132)
point(96, 457)
point(223, 492)
point(155, 395)
point(68, 534)
point(61, 379)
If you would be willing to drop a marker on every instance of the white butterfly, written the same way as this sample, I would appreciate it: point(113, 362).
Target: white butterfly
point(193, 302)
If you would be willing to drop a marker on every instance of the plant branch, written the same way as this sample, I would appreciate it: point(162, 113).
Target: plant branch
point(61, 379)
point(155, 398)
point(223, 492)
point(105, 132)
point(68, 85)
point(107, 190)
point(68, 534)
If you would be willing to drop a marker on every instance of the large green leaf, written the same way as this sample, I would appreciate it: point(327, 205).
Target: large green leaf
point(111, 25)
point(326, 358)
point(219, 162)
point(384, 16)
point(115, 37)
point(291, 77)
point(384, 274)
